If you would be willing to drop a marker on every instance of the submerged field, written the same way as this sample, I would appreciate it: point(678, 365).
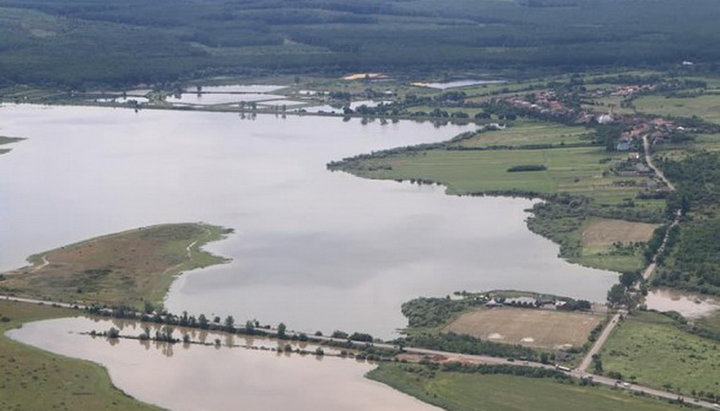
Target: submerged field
point(478, 392)
point(34, 379)
point(131, 267)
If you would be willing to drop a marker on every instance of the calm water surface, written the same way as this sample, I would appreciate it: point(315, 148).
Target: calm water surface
point(314, 249)
point(195, 377)
point(690, 305)
point(205, 99)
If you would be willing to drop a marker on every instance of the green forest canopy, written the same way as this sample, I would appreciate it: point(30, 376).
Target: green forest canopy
point(84, 42)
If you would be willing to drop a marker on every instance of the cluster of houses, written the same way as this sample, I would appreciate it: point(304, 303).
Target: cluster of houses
point(546, 103)
point(530, 302)
point(621, 91)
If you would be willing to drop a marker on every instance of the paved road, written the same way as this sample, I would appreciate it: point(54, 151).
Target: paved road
point(602, 338)
point(651, 164)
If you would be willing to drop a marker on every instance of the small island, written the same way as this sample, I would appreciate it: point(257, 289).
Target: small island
point(133, 268)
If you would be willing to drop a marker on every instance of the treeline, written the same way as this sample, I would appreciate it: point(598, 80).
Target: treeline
point(428, 369)
point(527, 167)
point(698, 179)
point(159, 41)
point(694, 263)
point(433, 312)
point(467, 344)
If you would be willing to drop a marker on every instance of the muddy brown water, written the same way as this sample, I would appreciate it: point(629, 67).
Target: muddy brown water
point(690, 305)
point(195, 377)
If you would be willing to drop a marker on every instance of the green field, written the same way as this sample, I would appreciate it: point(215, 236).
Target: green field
point(477, 392)
point(711, 323)
point(650, 348)
point(574, 170)
point(529, 132)
point(33, 379)
point(706, 107)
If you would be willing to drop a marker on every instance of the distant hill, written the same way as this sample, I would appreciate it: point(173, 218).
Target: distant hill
point(84, 42)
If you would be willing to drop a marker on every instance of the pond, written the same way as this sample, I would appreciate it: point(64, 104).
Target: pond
point(315, 249)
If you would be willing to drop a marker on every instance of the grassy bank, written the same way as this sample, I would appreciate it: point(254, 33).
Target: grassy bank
point(478, 392)
point(127, 268)
point(651, 349)
point(33, 379)
point(582, 184)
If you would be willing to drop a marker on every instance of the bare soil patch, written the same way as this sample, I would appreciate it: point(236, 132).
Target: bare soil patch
point(526, 326)
point(605, 232)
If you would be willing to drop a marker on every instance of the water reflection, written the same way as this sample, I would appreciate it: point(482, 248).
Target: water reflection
point(212, 378)
point(313, 249)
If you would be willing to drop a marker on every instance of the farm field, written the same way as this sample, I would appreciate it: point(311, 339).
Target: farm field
point(529, 132)
point(706, 107)
point(132, 267)
point(33, 379)
point(605, 232)
point(477, 392)
point(575, 170)
point(599, 238)
point(650, 349)
point(525, 326)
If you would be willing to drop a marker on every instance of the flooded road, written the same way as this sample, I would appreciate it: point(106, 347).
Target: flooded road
point(195, 377)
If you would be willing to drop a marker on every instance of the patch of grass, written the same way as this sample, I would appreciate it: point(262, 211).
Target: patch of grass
point(705, 106)
point(33, 379)
point(710, 322)
point(529, 132)
point(575, 170)
point(130, 268)
point(651, 348)
point(477, 392)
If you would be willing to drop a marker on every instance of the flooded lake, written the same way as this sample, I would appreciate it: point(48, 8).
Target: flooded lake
point(313, 249)
point(196, 377)
point(689, 305)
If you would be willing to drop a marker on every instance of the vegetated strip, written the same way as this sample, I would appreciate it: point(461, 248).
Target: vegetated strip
point(133, 268)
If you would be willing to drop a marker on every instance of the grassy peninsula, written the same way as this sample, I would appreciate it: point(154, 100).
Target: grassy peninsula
point(128, 268)
point(36, 379)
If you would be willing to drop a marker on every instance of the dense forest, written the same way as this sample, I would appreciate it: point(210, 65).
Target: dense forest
point(81, 43)
point(693, 261)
